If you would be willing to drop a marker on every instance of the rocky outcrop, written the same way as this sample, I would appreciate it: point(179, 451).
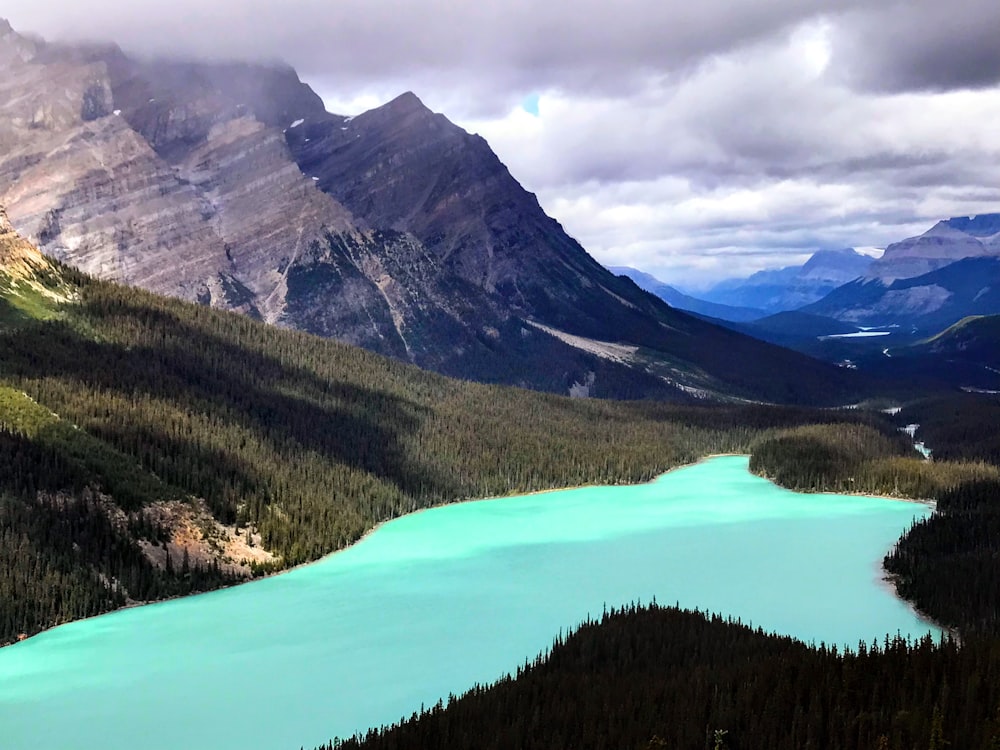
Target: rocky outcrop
point(18, 259)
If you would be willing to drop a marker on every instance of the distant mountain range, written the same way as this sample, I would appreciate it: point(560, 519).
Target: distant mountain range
point(920, 286)
point(928, 282)
point(792, 287)
point(396, 230)
point(676, 298)
point(927, 303)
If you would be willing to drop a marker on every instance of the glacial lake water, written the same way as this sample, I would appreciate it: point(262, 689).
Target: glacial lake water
point(437, 601)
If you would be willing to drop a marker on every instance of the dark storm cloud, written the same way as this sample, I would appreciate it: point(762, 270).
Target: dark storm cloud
point(921, 45)
point(581, 45)
point(516, 45)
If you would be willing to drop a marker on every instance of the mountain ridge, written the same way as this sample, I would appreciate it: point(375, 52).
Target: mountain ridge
point(929, 302)
point(396, 230)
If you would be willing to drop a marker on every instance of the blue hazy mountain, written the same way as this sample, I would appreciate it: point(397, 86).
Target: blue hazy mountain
point(928, 303)
point(947, 241)
point(792, 287)
point(678, 299)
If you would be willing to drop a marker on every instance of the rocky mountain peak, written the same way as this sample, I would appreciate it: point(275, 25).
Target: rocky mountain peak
point(174, 104)
point(984, 225)
point(407, 117)
point(14, 48)
point(836, 265)
point(825, 256)
point(404, 104)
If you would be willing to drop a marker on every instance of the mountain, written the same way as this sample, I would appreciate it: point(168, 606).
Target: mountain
point(676, 298)
point(230, 185)
point(944, 243)
point(974, 339)
point(926, 303)
point(926, 283)
point(792, 287)
point(966, 355)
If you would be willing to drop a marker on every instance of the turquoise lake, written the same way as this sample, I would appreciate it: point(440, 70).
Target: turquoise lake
point(437, 601)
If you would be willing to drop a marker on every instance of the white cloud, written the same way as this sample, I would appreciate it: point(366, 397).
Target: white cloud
point(752, 159)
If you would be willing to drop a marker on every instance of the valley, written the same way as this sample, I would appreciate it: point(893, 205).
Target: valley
point(295, 444)
point(320, 427)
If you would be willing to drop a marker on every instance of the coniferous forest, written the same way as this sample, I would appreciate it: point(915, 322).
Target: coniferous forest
point(653, 677)
point(117, 401)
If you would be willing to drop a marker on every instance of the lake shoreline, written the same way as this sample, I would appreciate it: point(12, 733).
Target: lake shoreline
point(450, 600)
point(887, 581)
point(133, 604)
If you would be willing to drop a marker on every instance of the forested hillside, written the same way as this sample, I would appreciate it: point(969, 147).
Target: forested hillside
point(653, 677)
point(182, 447)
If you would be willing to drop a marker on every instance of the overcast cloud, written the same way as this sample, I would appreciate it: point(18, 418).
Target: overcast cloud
point(692, 140)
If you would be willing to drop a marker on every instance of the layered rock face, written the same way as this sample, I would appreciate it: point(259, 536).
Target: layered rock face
point(88, 189)
point(231, 185)
point(176, 177)
point(946, 242)
point(404, 167)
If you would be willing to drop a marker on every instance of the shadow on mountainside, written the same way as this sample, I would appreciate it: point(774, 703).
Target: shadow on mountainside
point(163, 364)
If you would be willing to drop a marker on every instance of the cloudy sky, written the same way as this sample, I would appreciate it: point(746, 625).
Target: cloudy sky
point(695, 140)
